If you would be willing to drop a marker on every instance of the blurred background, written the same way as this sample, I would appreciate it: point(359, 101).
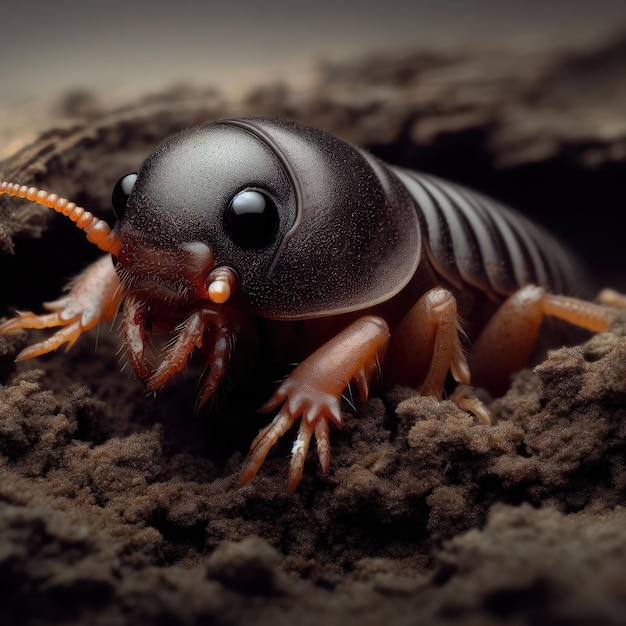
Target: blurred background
point(49, 47)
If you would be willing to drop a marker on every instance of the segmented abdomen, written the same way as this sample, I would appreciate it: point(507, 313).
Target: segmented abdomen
point(474, 240)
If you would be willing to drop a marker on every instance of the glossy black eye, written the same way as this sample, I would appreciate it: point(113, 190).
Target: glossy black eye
point(251, 219)
point(121, 191)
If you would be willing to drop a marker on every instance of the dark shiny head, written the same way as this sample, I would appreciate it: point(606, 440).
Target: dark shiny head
point(309, 224)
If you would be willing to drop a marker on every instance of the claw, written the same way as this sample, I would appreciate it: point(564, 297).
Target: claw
point(362, 380)
point(93, 298)
point(263, 444)
point(217, 360)
point(298, 454)
point(303, 399)
point(200, 326)
point(323, 445)
point(26, 319)
point(315, 408)
point(68, 334)
point(313, 393)
point(314, 421)
point(465, 398)
point(190, 338)
point(134, 324)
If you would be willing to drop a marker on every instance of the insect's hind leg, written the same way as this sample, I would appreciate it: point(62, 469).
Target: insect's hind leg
point(507, 342)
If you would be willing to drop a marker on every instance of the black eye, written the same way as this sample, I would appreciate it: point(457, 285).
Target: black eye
point(251, 219)
point(121, 191)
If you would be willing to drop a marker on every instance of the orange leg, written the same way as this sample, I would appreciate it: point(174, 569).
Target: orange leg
point(426, 345)
point(93, 297)
point(313, 392)
point(506, 343)
point(204, 328)
point(610, 297)
point(191, 336)
point(217, 355)
point(134, 320)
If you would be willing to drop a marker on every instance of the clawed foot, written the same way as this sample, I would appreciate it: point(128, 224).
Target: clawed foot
point(71, 331)
point(465, 398)
point(313, 393)
point(316, 410)
point(93, 298)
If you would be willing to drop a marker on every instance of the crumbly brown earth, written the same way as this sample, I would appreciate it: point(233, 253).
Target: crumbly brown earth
point(119, 508)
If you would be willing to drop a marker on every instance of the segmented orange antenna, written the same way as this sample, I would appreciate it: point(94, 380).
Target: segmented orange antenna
point(97, 230)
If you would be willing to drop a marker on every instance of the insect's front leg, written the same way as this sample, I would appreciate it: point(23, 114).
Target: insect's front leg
point(313, 393)
point(93, 297)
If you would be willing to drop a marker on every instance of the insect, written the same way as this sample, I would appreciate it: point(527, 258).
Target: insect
point(351, 265)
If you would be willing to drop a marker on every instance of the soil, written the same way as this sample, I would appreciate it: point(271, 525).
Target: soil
point(118, 508)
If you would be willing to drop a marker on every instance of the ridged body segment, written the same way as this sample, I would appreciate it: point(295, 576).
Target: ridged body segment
point(472, 240)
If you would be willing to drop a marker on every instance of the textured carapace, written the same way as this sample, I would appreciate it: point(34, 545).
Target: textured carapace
point(348, 260)
point(319, 259)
